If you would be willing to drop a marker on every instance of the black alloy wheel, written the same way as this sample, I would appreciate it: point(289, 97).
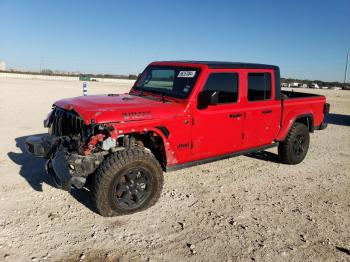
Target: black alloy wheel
point(132, 188)
point(294, 148)
point(126, 182)
point(299, 145)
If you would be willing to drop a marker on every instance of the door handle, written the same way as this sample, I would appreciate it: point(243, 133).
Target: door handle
point(269, 111)
point(235, 115)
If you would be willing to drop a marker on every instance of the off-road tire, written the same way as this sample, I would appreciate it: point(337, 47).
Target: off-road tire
point(285, 149)
point(109, 173)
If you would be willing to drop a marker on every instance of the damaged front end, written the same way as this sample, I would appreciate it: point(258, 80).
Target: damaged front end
point(71, 169)
point(74, 150)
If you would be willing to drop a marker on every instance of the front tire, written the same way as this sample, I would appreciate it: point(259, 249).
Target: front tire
point(294, 148)
point(126, 182)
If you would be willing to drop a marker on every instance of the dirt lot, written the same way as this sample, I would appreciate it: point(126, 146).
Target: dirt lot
point(249, 208)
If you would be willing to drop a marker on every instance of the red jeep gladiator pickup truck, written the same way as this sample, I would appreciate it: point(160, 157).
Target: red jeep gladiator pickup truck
point(177, 114)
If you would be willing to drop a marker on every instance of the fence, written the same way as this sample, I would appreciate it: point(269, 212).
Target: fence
point(62, 78)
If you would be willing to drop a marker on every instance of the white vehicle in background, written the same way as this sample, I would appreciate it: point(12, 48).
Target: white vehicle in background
point(284, 85)
point(293, 85)
point(324, 87)
point(303, 86)
point(336, 88)
point(314, 85)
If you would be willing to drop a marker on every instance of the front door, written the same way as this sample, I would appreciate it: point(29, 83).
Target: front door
point(217, 129)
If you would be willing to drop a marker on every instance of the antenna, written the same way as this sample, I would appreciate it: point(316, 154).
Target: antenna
point(346, 68)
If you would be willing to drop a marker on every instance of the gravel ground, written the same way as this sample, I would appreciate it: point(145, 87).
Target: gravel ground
point(248, 208)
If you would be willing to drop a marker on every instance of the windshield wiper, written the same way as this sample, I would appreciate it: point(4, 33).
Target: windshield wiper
point(162, 94)
point(139, 89)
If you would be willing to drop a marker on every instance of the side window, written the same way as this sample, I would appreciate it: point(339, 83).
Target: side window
point(259, 86)
point(226, 84)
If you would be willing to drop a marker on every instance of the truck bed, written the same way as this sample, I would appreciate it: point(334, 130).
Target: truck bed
point(292, 94)
point(297, 104)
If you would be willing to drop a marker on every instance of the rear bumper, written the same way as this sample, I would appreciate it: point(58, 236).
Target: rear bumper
point(322, 126)
point(326, 109)
point(67, 169)
point(324, 123)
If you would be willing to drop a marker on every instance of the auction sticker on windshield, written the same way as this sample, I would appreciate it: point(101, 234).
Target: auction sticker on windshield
point(189, 74)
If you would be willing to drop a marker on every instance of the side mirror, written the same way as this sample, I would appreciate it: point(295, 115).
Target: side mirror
point(206, 98)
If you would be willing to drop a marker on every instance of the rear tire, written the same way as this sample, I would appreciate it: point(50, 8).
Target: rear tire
point(126, 182)
point(294, 148)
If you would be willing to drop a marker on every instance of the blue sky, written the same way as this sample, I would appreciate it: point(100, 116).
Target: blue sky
point(307, 39)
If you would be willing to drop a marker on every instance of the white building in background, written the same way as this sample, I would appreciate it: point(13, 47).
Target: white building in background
point(2, 65)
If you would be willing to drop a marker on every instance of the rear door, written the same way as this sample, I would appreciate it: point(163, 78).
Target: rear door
point(262, 110)
point(217, 129)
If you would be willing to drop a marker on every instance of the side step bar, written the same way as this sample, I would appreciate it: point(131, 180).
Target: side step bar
point(221, 157)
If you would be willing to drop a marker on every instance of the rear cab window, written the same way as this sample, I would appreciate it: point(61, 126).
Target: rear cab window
point(259, 86)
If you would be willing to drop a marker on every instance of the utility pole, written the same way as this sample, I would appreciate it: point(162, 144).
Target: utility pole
point(41, 63)
point(346, 68)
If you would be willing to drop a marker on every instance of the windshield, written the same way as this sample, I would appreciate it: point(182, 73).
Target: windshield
point(170, 81)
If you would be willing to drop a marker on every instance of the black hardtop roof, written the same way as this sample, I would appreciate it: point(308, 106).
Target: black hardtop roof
point(220, 64)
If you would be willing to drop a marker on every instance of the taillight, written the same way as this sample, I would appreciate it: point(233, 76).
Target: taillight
point(326, 108)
